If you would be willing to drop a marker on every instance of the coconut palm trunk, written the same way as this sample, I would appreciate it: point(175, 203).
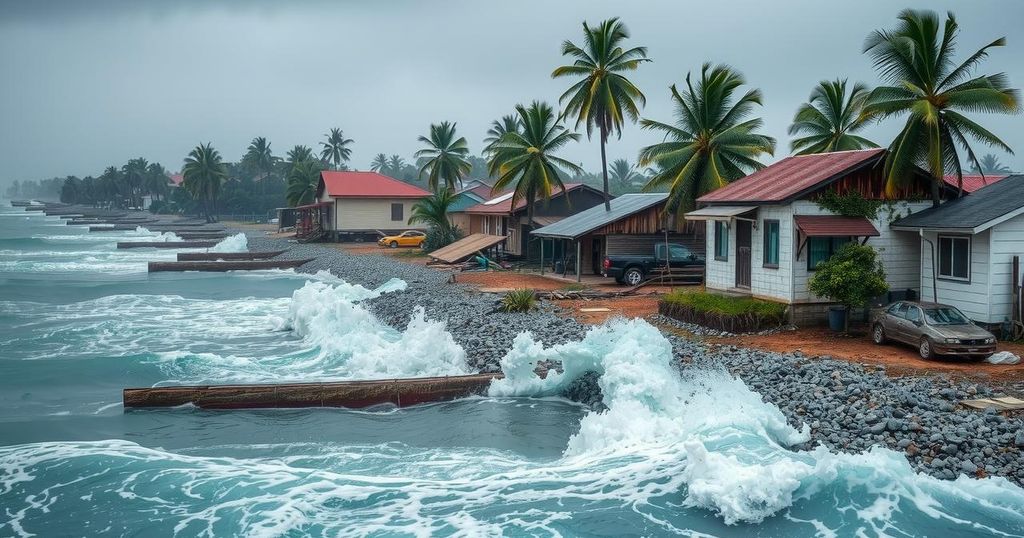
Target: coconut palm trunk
point(604, 167)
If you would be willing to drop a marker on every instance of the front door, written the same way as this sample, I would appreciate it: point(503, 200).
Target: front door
point(743, 233)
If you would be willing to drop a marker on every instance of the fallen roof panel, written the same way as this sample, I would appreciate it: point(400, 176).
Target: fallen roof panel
point(465, 247)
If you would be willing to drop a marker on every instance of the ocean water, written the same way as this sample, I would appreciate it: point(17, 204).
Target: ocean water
point(692, 453)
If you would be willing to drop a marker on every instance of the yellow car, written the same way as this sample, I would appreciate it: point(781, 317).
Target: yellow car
point(411, 238)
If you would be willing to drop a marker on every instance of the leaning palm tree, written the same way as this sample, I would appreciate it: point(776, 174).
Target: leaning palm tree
point(623, 176)
point(989, 165)
point(299, 154)
point(433, 210)
point(379, 163)
point(603, 98)
point(335, 149)
point(934, 92)
point(711, 142)
point(445, 156)
point(498, 129)
point(204, 171)
point(302, 182)
point(526, 160)
point(828, 120)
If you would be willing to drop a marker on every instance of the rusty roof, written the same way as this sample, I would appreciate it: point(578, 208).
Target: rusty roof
point(973, 182)
point(792, 177)
point(502, 205)
point(835, 226)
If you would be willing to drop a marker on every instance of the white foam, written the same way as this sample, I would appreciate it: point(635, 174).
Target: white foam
point(234, 243)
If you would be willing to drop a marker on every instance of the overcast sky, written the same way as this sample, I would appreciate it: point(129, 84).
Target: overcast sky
point(84, 85)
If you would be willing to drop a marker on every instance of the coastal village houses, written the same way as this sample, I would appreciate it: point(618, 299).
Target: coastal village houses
point(767, 232)
point(358, 206)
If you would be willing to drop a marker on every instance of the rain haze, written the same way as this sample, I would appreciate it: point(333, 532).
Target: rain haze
point(89, 85)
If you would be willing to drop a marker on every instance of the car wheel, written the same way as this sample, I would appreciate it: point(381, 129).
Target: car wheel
point(393, 244)
point(925, 349)
point(878, 334)
point(633, 276)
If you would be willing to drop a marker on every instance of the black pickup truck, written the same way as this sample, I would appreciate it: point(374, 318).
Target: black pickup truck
point(634, 269)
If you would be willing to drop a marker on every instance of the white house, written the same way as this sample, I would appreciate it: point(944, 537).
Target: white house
point(360, 205)
point(767, 232)
point(967, 250)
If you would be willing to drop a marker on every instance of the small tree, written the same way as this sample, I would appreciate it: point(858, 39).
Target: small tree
point(852, 277)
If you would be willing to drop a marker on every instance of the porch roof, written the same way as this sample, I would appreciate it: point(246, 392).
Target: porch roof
point(719, 212)
point(835, 226)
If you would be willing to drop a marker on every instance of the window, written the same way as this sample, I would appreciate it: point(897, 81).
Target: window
point(678, 252)
point(955, 257)
point(721, 240)
point(913, 314)
point(820, 249)
point(397, 212)
point(771, 243)
point(898, 309)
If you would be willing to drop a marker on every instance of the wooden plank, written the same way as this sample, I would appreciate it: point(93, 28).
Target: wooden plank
point(351, 394)
point(465, 247)
point(213, 256)
point(220, 266)
point(166, 244)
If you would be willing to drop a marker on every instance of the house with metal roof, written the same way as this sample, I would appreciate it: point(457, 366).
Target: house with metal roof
point(632, 226)
point(971, 249)
point(497, 215)
point(473, 192)
point(358, 206)
point(767, 232)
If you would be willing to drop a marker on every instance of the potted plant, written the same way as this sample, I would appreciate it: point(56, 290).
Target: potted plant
point(852, 277)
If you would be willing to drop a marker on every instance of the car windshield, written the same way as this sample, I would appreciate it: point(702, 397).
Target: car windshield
point(945, 315)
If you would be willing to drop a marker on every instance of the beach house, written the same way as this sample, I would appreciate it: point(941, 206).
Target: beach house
point(359, 206)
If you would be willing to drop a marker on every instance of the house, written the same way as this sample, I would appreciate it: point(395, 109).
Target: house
point(972, 182)
point(967, 250)
point(768, 231)
point(358, 206)
point(472, 192)
point(497, 216)
point(633, 225)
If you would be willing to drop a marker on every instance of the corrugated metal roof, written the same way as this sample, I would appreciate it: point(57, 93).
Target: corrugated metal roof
point(345, 184)
point(466, 247)
point(973, 182)
point(584, 222)
point(502, 204)
point(719, 212)
point(835, 226)
point(790, 177)
point(974, 212)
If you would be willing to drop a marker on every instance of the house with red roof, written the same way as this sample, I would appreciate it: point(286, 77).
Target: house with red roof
point(972, 182)
point(767, 232)
point(358, 206)
point(497, 216)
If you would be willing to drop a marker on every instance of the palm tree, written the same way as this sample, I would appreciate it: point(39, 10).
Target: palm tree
point(527, 159)
point(829, 119)
point(204, 172)
point(395, 165)
point(110, 187)
point(260, 157)
point(990, 165)
point(711, 143)
point(623, 175)
point(934, 92)
point(604, 98)
point(498, 129)
point(445, 156)
point(380, 163)
point(302, 182)
point(335, 149)
point(156, 180)
point(133, 174)
point(433, 210)
point(299, 154)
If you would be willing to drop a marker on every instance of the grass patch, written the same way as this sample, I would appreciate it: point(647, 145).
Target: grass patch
point(720, 312)
point(521, 300)
point(411, 253)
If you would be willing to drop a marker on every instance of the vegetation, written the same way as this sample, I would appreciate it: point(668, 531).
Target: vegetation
point(298, 154)
point(260, 158)
point(926, 85)
point(829, 119)
point(850, 204)
point(989, 165)
point(519, 300)
point(733, 314)
point(204, 173)
point(445, 156)
point(624, 177)
point(526, 160)
point(603, 98)
point(851, 277)
point(432, 211)
point(303, 179)
point(711, 143)
point(335, 149)
point(507, 124)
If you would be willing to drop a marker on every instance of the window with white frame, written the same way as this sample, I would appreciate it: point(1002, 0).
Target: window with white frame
point(721, 240)
point(955, 257)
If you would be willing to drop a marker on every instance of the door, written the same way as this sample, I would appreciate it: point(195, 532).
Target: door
point(743, 233)
point(595, 255)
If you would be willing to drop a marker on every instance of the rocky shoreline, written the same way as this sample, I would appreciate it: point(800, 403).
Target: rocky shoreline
point(848, 406)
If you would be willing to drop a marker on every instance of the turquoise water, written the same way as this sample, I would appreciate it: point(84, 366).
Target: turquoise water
point(694, 455)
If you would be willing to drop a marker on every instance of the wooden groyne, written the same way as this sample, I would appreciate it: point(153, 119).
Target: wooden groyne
point(201, 235)
point(237, 265)
point(166, 244)
point(351, 394)
point(177, 224)
point(214, 256)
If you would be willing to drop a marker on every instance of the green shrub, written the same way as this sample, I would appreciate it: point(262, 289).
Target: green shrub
point(724, 313)
point(441, 237)
point(851, 277)
point(521, 300)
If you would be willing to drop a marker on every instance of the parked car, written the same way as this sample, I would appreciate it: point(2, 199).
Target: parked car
point(935, 329)
point(634, 269)
point(411, 238)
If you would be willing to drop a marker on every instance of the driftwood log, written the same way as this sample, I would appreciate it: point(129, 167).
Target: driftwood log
point(220, 266)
